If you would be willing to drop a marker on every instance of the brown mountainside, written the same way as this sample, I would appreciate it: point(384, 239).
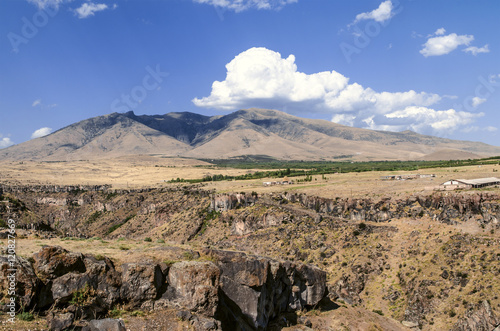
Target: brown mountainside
point(245, 132)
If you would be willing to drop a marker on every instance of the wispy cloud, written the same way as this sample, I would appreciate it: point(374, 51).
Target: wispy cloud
point(89, 9)
point(476, 50)
point(48, 3)
point(260, 77)
point(41, 132)
point(241, 5)
point(476, 101)
point(38, 103)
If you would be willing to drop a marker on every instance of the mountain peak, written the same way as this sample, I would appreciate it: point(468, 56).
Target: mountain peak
point(253, 131)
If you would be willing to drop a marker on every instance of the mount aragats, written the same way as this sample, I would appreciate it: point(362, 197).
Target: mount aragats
point(259, 132)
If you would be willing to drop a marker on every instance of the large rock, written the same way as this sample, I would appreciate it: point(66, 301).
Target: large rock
point(106, 278)
point(64, 288)
point(107, 324)
point(54, 261)
point(26, 283)
point(59, 322)
point(481, 318)
point(140, 282)
point(257, 289)
point(194, 285)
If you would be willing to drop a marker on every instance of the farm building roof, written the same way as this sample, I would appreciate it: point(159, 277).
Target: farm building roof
point(479, 181)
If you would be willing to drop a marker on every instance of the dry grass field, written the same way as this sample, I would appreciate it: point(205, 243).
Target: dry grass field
point(150, 171)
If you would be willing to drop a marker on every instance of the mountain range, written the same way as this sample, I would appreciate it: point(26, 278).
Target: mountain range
point(256, 132)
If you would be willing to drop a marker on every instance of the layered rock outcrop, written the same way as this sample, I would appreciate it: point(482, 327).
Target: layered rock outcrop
point(228, 289)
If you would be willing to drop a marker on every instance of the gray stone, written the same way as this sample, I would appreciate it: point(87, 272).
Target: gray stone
point(107, 324)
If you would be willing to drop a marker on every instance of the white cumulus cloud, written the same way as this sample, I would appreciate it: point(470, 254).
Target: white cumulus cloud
point(440, 32)
point(41, 132)
point(441, 45)
point(383, 13)
point(36, 103)
point(241, 5)
point(476, 101)
point(89, 9)
point(422, 118)
point(476, 50)
point(5, 142)
point(259, 77)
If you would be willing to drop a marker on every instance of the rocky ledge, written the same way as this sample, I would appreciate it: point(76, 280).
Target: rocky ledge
point(223, 289)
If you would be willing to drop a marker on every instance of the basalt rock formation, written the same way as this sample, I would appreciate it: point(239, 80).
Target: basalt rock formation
point(234, 291)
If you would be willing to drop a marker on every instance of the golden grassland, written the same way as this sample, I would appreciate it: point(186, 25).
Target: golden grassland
point(150, 171)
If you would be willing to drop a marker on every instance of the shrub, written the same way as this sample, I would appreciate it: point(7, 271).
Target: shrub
point(93, 217)
point(82, 296)
point(378, 311)
point(188, 255)
point(170, 262)
point(148, 239)
point(138, 313)
point(26, 316)
point(116, 313)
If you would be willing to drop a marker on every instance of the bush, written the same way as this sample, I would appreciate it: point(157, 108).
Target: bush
point(170, 262)
point(99, 257)
point(147, 239)
point(115, 313)
point(26, 316)
point(160, 241)
point(188, 255)
point(378, 311)
point(82, 296)
point(93, 217)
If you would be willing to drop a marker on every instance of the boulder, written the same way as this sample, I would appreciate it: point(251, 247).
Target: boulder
point(481, 318)
point(54, 261)
point(257, 289)
point(140, 282)
point(106, 278)
point(59, 322)
point(27, 284)
point(194, 285)
point(107, 324)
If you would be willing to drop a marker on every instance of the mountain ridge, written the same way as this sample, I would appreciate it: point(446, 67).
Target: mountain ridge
point(244, 132)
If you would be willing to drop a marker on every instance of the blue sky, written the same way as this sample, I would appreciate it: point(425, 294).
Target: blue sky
point(427, 66)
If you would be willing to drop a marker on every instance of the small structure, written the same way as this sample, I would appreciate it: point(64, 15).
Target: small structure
point(406, 177)
point(469, 183)
point(285, 181)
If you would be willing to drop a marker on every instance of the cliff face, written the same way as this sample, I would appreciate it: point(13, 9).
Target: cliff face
point(88, 212)
point(234, 290)
point(425, 261)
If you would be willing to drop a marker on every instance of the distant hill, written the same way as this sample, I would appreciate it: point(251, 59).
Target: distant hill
point(245, 132)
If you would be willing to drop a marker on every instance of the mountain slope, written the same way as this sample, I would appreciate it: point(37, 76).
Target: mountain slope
point(245, 132)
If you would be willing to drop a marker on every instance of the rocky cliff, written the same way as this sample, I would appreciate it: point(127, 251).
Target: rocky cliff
point(428, 261)
point(229, 290)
